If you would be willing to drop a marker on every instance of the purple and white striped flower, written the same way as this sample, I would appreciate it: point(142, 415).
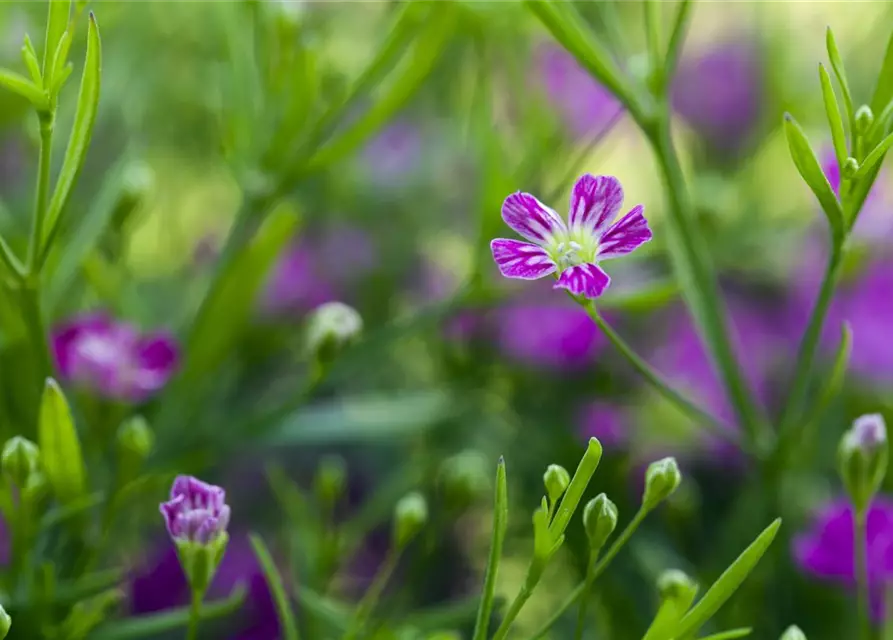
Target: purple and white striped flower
point(571, 252)
point(196, 512)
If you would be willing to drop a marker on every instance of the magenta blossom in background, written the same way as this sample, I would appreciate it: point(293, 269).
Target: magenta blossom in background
point(606, 422)
point(394, 153)
point(586, 106)
point(826, 549)
point(572, 251)
point(720, 94)
point(113, 357)
point(196, 512)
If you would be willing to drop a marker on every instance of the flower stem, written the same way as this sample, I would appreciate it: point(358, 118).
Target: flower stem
point(195, 610)
point(701, 416)
point(859, 534)
point(42, 190)
point(582, 588)
point(584, 599)
point(534, 573)
point(372, 595)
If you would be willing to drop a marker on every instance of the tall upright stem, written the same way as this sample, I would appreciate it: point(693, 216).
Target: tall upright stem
point(861, 569)
point(195, 610)
point(42, 189)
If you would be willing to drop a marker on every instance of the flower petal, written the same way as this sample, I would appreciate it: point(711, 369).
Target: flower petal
point(522, 260)
point(531, 218)
point(625, 235)
point(595, 201)
point(587, 280)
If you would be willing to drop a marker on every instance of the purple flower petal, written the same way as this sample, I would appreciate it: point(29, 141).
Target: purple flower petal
point(595, 201)
point(625, 235)
point(587, 280)
point(531, 218)
point(521, 260)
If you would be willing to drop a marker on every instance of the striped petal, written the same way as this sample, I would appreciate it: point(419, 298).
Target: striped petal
point(595, 201)
point(531, 218)
point(587, 280)
point(625, 235)
point(521, 260)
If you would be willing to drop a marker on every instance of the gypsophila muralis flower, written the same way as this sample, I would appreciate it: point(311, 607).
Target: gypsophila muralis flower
point(572, 251)
point(196, 512)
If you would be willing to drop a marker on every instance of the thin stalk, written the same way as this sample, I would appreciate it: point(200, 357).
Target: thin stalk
point(30, 308)
point(698, 414)
point(581, 588)
point(372, 595)
point(42, 189)
point(500, 523)
point(677, 35)
point(534, 573)
point(859, 559)
point(584, 600)
point(195, 610)
point(652, 39)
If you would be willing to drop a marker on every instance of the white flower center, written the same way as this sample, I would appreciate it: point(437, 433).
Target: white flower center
point(579, 248)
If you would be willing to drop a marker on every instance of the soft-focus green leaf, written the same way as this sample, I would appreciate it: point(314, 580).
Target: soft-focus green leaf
point(71, 510)
point(81, 133)
point(500, 523)
point(21, 85)
point(727, 583)
point(60, 449)
point(446, 616)
point(883, 91)
point(336, 615)
point(874, 158)
point(840, 74)
point(731, 634)
point(834, 120)
point(358, 419)
point(60, 63)
point(668, 616)
point(29, 57)
point(57, 23)
point(288, 626)
point(811, 171)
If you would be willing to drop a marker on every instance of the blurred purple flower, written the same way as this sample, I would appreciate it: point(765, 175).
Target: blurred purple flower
point(113, 358)
point(558, 336)
point(606, 422)
point(826, 549)
point(720, 94)
point(394, 153)
point(163, 586)
point(572, 251)
point(585, 105)
point(196, 512)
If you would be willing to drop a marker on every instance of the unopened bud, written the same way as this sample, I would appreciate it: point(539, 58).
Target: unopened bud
point(661, 480)
point(137, 186)
point(864, 118)
point(19, 460)
point(862, 459)
point(556, 478)
point(331, 327)
point(599, 520)
point(135, 438)
point(5, 622)
point(793, 633)
point(331, 478)
point(463, 479)
point(410, 515)
point(674, 584)
point(849, 168)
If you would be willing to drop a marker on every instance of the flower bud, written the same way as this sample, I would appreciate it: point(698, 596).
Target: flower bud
point(410, 515)
point(864, 118)
point(862, 459)
point(674, 584)
point(849, 168)
point(463, 479)
point(661, 480)
point(5, 622)
point(332, 327)
point(556, 478)
point(331, 478)
point(599, 520)
point(793, 633)
point(135, 439)
point(19, 460)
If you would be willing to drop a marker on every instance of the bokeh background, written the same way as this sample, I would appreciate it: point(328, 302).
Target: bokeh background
point(454, 359)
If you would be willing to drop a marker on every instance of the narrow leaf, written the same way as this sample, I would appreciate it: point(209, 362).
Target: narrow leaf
point(577, 487)
point(500, 523)
point(288, 626)
point(727, 583)
point(81, 133)
point(60, 59)
point(57, 23)
point(834, 120)
point(29, 57)
point(60, 448)
point(731, 634)
point(840, 74)
point(21, 85)
point(811, 171)
point(835, 379)
point(874, 158)
point(883, 91)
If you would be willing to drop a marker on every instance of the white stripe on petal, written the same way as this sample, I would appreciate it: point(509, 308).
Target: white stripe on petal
point(522, 260)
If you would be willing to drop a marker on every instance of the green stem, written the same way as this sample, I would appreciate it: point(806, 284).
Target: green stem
point(372, 595)
point(581, 588)
point(652, 39)
point(31, 314)
point(677, 35)
point(195, 612)
point(859, 559)
point(584, 601)
point(500, 524)
point(660, 385)
point(534, 573)
point(42, 190)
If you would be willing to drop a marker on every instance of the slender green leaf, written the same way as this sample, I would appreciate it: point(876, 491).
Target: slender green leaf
point(57, 23)
point(336, 615)
point(21, 85)
point(500, 524)
point(29, 57)
point(417, 65)
point(677, 35)
point(669, 614)
point(60, 449)
point(727, 583)
point(575, 490)
point(81, 133)
point(834, 120)
point(731, 634)
point(831, 388)
point(288, 626)
point(71, 510)
point(883, 91)
point(811, 171)
point(60, 60)
point(874, 158)
point(840, 74)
